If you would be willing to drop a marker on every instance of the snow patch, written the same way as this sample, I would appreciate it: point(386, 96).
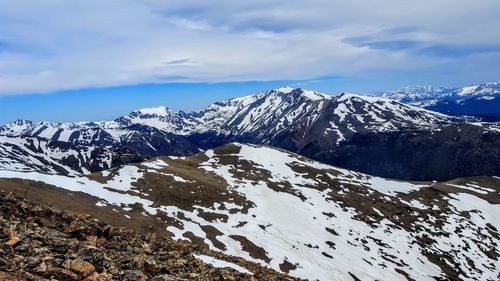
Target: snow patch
point(221, 264)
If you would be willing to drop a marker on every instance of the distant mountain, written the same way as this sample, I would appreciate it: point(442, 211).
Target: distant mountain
point(481, 101)
point(28, 154)
point(265, 117)
point(292, 214)
point(307, 122)
point(145, 139)
point(261, 116)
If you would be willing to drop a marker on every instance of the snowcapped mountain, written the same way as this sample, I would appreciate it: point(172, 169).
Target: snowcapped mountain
point(418, 95)
point(28, 154)
point(130, 131)
point(262, 116)
point(283, 112)
point(310, 123)
point(481, 100)
point(295, 215)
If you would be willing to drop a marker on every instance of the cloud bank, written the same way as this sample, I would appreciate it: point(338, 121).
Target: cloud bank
point(51, 45)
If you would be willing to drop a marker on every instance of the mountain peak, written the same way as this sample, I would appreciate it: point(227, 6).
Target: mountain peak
point(348, 96)
point(312, 95)
point(479, 89)
point(21, 122)
point(16, 127)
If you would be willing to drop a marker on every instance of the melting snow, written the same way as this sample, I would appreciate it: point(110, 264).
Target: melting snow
point(473, 187)
point(221, 264)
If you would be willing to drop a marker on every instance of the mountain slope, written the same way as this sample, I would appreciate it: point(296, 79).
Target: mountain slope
point(262, 117)
point(349, 114)
point(55, 157)
point(139, 136)
point(445, 153)
point(481, 100)
point(299, 216)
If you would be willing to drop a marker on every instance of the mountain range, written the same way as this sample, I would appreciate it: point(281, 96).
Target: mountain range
point(57, 157)
point(261, 117)
point(374, 135)
point(481, 101)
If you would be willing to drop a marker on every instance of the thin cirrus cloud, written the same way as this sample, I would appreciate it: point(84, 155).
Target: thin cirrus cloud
point(58, 45)
point(179, 61)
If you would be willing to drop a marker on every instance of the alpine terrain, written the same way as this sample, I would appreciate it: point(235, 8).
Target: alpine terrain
point(289, 213)
point(146, 140)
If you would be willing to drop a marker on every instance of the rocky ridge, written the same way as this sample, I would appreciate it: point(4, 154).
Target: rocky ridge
point(42, 243)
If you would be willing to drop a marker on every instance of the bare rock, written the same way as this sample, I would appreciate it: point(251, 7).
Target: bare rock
point(13, 242)
point(130, 275)
point(81, 267)
point(55, 245)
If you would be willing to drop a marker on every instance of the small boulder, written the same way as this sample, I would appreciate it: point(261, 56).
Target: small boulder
point(93, 255)
point(74, 228)
point(13, 242)
point(81, 267)
point(166, 277)
point(130, 275)
point(64, 274)
point(41, 269)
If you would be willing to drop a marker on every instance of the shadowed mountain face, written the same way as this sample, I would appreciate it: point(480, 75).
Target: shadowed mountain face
point(375, 135)
point(451, 152)
point(293, 214)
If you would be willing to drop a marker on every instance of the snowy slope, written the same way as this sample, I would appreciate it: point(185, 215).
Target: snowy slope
point(428, 95)
point(141, 132)
point(354, 113)
point(265, 115)
point(308, 219)
point(418, 95)
point(41, 155)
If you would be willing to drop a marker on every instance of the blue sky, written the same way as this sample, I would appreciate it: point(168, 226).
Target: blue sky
point(92, 59)
point(94, 104)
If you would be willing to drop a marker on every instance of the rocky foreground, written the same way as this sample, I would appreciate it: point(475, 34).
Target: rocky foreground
point(42, 243)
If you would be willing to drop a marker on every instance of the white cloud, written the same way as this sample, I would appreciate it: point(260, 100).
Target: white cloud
point(49, 45)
